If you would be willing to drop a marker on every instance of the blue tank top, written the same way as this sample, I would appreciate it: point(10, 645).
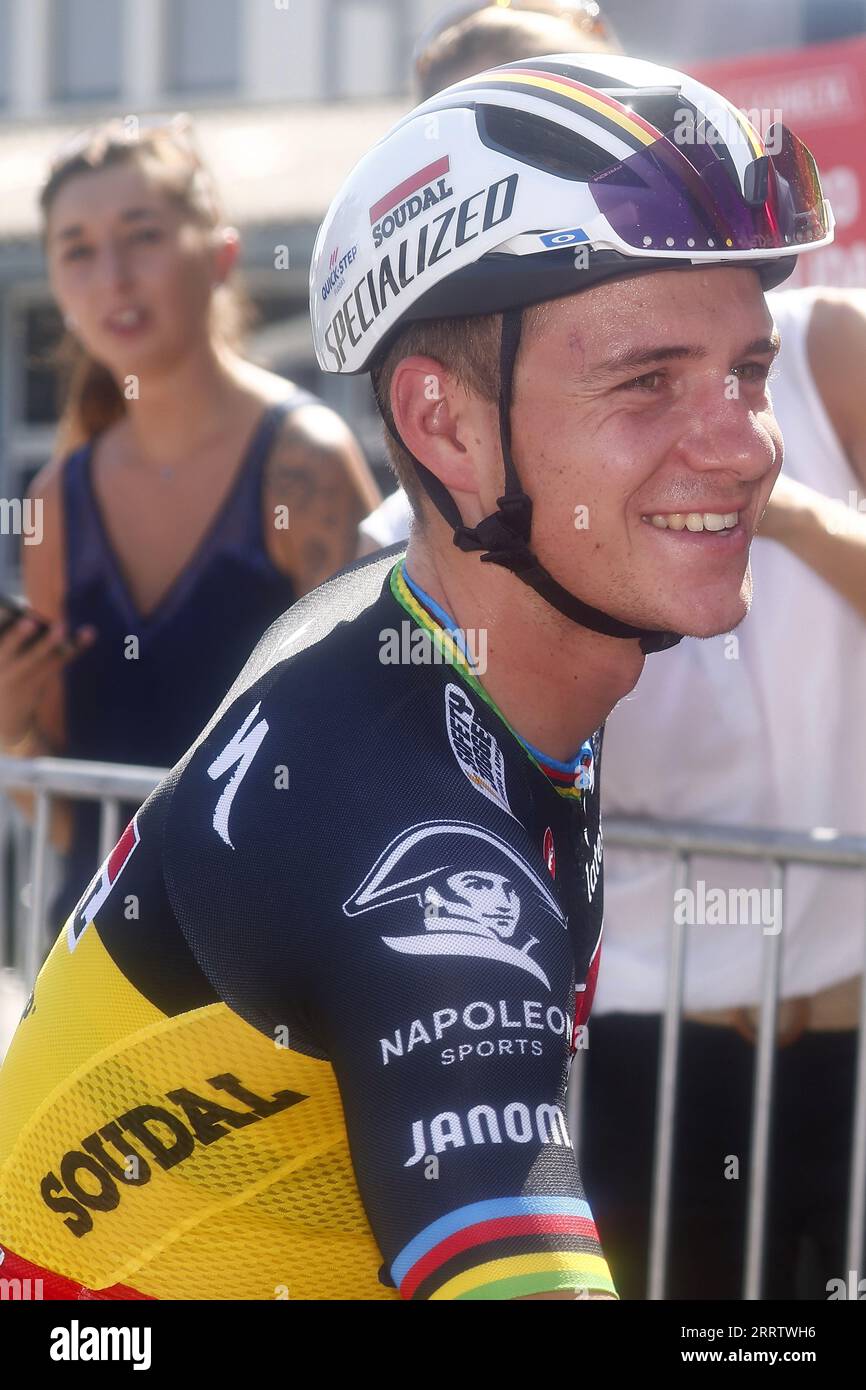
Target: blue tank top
point(150, 708)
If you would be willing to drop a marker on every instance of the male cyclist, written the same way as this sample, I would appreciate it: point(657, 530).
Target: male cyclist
point(309, 1028)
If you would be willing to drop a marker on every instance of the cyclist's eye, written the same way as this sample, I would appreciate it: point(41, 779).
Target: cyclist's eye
point(648, 382)
point(148, 234)
point(76, 253)
point(757, 372)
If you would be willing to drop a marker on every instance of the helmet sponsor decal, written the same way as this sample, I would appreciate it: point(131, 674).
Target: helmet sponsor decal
point(417, 194)
point(566, 238)
point(427, 243)
point(337, 267)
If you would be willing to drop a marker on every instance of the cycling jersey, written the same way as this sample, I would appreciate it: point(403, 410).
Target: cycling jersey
point(307, 1032)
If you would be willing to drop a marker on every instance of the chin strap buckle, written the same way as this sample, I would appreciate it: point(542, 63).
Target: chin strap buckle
point(504, 535)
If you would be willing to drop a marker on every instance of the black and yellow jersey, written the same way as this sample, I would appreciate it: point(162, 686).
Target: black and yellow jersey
point(308, 1030)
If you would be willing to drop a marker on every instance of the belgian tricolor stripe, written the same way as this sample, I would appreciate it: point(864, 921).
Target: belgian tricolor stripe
point(599, 106)
point(751, 134)
point(504, 1248)
point(565, 91)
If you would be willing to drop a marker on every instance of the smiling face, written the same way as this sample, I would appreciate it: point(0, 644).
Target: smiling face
point(132, 269)
point(644, 400)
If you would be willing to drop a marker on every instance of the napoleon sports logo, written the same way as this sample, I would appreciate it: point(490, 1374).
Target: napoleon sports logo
point(463, 911)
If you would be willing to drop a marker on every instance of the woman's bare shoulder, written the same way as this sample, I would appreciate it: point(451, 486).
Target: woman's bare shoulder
point(47, 484)
point(258, 381)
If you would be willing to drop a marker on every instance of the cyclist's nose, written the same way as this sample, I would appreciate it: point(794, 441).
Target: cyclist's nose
point(727, 434)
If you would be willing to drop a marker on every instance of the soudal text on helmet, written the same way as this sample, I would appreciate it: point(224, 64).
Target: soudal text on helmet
point(425, 245)
point(410, 207)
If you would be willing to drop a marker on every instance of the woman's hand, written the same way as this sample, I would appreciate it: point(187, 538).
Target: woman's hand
point(26, 671)
point(824, 533)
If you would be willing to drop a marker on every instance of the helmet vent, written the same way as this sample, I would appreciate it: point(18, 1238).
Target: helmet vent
point(666, 110)
point(541, 144)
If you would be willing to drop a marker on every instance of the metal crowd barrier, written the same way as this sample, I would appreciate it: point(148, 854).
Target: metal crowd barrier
point(681, 841)
point(110, 784)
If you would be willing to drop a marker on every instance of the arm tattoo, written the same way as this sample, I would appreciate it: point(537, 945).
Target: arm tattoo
point(314, 481)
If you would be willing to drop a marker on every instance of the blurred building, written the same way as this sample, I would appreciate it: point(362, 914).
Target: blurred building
point(287, 95)
point(682, 30)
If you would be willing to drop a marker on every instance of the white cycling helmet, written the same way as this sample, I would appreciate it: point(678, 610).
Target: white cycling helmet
point(535, 180)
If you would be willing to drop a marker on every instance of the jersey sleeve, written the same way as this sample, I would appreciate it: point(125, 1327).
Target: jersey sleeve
point(451, 1046)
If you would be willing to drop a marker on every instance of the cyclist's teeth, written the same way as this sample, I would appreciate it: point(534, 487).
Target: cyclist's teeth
point(695, 521)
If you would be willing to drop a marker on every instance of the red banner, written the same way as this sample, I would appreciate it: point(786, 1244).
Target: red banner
point(820, 92)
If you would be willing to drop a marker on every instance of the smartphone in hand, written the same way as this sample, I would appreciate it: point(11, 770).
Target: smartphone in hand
point(12, 610)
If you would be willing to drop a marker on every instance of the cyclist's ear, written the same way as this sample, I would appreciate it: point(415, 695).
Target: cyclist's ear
point(447, 428)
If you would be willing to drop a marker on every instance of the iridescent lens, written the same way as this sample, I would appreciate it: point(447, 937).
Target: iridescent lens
point(666, 199)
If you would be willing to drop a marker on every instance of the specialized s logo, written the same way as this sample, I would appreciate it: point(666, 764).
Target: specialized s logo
point(237, 754)
point(476, 750)
point(460, 911)
point(102, 883)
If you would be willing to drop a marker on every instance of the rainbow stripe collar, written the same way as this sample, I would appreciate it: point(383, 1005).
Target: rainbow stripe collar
point(568, 778)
